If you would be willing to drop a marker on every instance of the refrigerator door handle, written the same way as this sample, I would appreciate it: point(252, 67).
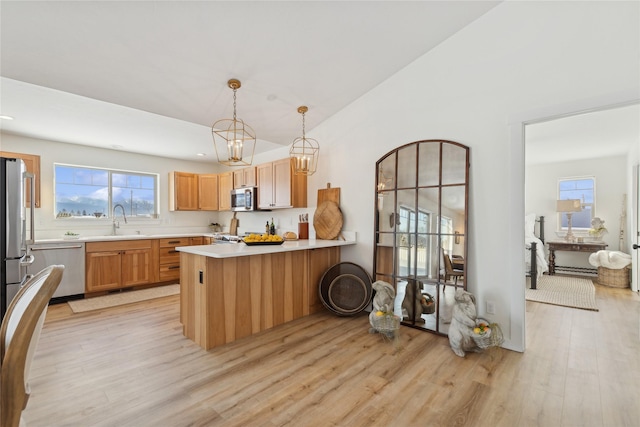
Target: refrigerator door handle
point(32, 205)
point(27, 260)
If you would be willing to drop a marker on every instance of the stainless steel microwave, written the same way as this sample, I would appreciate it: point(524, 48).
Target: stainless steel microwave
point(244, 199)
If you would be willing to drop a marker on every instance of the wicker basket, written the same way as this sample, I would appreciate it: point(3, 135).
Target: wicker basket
point(617, 278)
point(492, 338)
point(428, 303)
point(387, 323)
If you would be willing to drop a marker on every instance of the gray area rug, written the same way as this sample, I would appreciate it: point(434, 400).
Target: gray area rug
point(571, 292)
point(122, 298)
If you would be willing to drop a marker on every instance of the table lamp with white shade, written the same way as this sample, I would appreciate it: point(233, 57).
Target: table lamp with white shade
point(569, 207)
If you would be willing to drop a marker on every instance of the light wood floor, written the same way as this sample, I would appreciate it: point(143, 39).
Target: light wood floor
point(131, 366)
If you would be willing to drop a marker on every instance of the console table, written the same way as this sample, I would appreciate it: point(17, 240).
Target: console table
point(589, 247)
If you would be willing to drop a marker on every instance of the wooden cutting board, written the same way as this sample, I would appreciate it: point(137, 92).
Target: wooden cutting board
point(328, 194)
point(327, 220)
point(233, 227)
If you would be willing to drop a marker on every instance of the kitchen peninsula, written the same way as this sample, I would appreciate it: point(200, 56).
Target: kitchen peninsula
point(230, 291)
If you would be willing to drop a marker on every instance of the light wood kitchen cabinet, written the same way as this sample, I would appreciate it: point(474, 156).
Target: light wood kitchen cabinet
point(195, 241)
point(169, 257)
point(279, 187)
point(183, 191)
point(245, 177)
point(193, 192)
point(169, 262)
point(32, 164)
point(226, 299)
point(208, 192)
point(225, 185)
point(117, 265)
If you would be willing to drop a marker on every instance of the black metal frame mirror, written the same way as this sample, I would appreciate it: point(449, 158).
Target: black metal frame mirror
point(421, 222)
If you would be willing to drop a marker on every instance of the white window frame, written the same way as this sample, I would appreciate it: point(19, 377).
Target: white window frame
point(446, 233)
point(408, 225)
point(110, 204)
point(585, 204)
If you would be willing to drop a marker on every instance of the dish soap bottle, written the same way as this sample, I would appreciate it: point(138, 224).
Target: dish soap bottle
point(272, 229)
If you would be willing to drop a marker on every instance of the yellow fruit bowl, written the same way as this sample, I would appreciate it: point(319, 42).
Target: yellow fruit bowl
point(258, 243)
point(262, 239)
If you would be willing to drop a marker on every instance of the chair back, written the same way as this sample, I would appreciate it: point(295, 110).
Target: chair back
point(448, 267)
point(19, 336)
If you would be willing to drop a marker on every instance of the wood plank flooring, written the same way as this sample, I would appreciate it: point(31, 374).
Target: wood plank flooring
point(131, 366)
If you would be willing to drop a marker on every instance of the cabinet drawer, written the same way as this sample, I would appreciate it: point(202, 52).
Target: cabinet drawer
point(121, 245)
point(195, 241)
point(170, 272)
point(173, 242)
point(169, 256)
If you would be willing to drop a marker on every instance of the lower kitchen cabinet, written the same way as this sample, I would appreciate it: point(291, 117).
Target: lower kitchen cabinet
point(229, 298)
point(116, 265)
point(123, 264)
point(170, 258)
point(195, 241)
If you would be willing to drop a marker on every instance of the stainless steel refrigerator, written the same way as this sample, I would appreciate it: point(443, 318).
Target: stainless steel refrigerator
point(13, 227)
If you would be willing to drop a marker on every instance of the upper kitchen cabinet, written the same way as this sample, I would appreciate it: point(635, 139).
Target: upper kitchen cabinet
point(208, 192)
point(32, 163)
point(193, 192)
point(245, 177)
point(183, 191)
point(279, 187)
point(225, 185)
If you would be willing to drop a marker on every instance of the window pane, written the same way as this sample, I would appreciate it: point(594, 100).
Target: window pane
point(454, 164)
point(128, 191)
point(85, 192)
point(582, 189)
point(80, 192)
point(429, 174)
point(407, 174)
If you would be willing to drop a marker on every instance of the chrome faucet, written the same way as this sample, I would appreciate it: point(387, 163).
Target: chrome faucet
point(115, 225)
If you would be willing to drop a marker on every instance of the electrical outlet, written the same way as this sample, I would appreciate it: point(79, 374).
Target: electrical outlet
point(491, 307)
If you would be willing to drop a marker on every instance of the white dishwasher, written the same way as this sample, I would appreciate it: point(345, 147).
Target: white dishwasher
point(71, 255)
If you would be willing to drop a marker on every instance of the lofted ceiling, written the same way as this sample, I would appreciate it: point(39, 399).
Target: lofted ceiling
point(151, 76)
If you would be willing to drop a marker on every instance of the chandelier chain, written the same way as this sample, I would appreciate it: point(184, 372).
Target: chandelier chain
point(234, 104)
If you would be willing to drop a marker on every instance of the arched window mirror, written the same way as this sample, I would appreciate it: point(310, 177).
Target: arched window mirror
point(422, 192)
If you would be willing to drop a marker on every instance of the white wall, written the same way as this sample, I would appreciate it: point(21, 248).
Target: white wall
point(518, 58)
point(611, 185)
point(633, 164)
point(522, 60)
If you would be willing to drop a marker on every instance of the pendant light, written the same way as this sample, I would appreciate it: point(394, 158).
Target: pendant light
point(233, 138)
point(304, 151)
point(384, 181)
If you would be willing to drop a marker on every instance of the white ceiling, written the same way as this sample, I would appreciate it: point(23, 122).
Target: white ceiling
point(593, 134)
point(151, 76)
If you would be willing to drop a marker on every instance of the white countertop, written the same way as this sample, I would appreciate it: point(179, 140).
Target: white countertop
point(230, 250)
point(109, 238)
